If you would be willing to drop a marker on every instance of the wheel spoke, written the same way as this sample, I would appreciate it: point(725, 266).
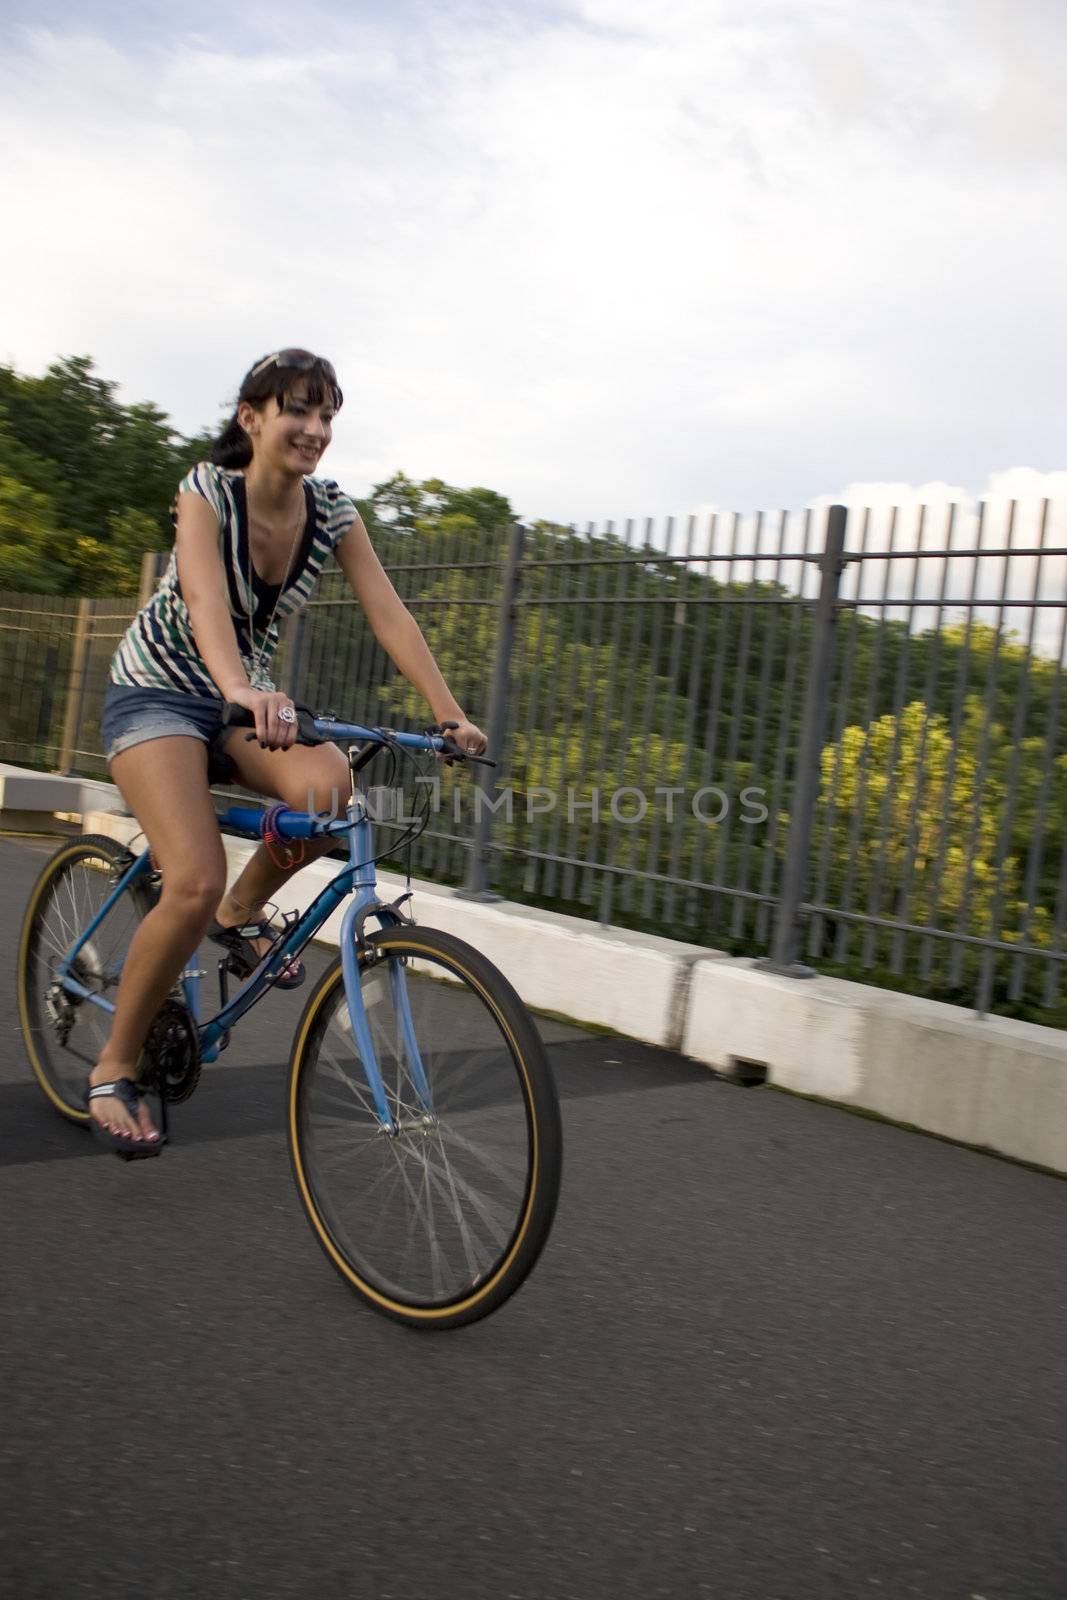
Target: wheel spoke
point(65, 1041)
point(426, 1212)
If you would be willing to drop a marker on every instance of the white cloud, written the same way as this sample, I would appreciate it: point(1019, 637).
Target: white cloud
point(614, 260)
point(1019, 511)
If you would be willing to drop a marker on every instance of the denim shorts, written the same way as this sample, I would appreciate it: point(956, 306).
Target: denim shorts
point(131, 716)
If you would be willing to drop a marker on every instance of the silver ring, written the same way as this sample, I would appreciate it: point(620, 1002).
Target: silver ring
point(286, 714)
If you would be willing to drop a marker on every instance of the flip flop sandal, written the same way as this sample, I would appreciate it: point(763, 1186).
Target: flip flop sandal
point(131, 1095)
point(246, 958)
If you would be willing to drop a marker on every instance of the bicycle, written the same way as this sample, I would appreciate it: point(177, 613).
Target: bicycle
point(423, 1122)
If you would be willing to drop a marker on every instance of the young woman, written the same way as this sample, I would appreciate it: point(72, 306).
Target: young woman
point(252, 531)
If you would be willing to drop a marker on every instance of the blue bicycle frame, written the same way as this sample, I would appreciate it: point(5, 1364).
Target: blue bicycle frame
point(357, 878)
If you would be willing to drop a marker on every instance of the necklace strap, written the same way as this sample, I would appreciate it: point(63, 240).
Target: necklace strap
point(297, 540)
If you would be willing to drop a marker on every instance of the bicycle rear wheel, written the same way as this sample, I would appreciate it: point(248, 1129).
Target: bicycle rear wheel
point(439, 1222)
point(64, 1035)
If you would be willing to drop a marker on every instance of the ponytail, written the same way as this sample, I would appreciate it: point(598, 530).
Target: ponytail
point(233, 447)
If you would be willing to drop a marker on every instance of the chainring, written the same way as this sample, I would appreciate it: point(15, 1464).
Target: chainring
point(170, 1064)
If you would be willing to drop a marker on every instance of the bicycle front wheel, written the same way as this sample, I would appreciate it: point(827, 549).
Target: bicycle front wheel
point(64, 1034)
point(438, 1221)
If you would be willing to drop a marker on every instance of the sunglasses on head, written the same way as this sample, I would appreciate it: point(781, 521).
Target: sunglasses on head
point(296, 361)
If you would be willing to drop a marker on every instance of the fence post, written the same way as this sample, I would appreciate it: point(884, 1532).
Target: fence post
point(786, 943)
point(476, 886)
point(152, 563)
point(79, 662)
point(295, 640)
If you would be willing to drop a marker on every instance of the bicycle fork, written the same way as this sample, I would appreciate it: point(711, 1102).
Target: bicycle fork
point(361, 1031)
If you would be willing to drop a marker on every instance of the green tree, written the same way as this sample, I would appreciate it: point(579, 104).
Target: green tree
point(32, 542)
point(106, 472)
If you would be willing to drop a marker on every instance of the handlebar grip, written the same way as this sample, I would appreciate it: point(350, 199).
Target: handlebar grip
point(235, 716)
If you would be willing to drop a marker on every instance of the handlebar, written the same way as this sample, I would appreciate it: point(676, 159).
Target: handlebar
point(312, 730)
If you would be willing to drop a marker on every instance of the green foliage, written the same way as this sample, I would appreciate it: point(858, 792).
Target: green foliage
point(434, 509)
point(101, 475)
point(30, 540)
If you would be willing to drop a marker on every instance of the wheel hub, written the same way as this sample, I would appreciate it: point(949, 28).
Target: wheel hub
point(60, 1012)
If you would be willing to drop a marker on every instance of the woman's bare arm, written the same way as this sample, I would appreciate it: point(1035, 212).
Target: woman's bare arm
point(397, 631)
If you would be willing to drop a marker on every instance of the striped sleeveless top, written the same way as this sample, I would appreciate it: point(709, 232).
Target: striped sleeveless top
point(159, 651)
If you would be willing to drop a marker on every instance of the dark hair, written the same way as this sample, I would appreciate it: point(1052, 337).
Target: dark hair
point(274, 376)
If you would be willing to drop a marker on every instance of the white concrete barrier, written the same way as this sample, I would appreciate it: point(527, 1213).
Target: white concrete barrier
point(990, 1081)
point(22, 789)
point(27, 795)
point(993, 1082)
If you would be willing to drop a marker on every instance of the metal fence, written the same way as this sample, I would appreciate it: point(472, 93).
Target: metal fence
point(54, 655)
point(817, 738)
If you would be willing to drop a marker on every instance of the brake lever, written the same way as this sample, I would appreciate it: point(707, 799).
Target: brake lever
point(458, 753)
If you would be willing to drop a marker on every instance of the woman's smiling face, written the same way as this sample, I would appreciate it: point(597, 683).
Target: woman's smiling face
point(292, 437)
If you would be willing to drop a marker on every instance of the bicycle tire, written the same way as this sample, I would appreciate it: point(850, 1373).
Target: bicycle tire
point(70, 890)
point(497, 1088)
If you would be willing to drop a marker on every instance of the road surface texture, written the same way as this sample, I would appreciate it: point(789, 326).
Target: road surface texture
point(772, 1351)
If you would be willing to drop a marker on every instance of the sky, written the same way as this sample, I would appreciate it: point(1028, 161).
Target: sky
point(608, 257)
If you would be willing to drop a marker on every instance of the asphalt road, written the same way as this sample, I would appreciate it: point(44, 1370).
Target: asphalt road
point(772, 1351)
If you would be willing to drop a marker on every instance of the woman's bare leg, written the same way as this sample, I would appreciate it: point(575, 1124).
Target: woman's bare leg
point(304, 778)
point(164, 783)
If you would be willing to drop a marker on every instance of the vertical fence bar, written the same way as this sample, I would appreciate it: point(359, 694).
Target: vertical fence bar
point(828, 819)
point(536, 578)
point(906, 911)
point(295, 649)
point(697, 863)
point(987, 969)
point(785, 724)
point(1036, 853)
point(872, 937)
point(628, 620)
point(477, 884)
point(786, 943)
point(572, 885)
point(744, 915)
point(152, 564)
point(698, 586)
point(659, 708)
point(568, 716)
point(79, 661)
point(612, 745)
point(734, 721)
point(27, 679)
point(1051, 994)
point(679, 615)
point(765, 621)
point(866, 715)
point(543, 701)
point(927, 955)
point(982, 774)
point(653, 577)
point(463, 551)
